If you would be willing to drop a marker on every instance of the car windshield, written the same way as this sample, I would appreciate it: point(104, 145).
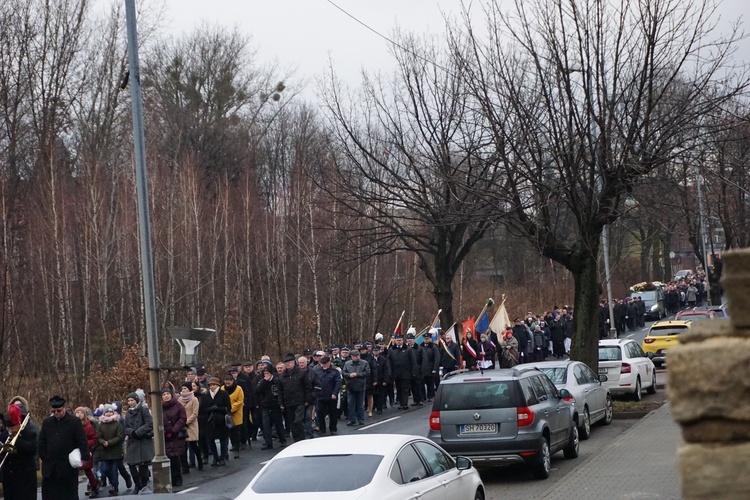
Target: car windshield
point(473, 395)
point(318, 473)
point(610, 353)
point(558, 375)
point(667, 330)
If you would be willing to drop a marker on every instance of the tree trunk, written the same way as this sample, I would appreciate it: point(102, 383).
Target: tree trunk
point(585, 343)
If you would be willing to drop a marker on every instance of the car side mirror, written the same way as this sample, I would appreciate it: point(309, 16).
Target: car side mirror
point(603, 378)
point(650, 355)
point(463, 463)
point(564, 394)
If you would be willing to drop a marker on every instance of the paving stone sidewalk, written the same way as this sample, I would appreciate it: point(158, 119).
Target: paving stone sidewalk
point(641, 463)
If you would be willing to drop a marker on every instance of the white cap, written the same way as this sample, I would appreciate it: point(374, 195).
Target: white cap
point(411, 330)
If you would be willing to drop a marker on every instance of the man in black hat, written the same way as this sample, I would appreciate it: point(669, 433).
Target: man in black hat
point(403, 368)
point(61, 434)
point(19, 469)
point(295, 390)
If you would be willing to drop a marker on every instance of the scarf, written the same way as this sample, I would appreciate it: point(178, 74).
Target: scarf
point(113, 418)
point(186, 398)
point(213, 392)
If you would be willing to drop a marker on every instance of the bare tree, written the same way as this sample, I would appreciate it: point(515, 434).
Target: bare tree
point(414, 157)
point(583, 98)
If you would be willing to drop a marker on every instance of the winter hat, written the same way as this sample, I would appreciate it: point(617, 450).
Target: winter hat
point(167, 389)
point(214, 380)
point(187, 385)
point(118, 406)
point(13, 417)
point(288, 357)
point(80, 408)
point(133, 395)
point(99, 411)
point(108, 408)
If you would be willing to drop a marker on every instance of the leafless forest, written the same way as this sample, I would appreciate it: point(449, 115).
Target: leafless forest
point(484, 165)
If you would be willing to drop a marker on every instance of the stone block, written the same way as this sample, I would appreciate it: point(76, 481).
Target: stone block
point(736, 281)
point(710, 380)
point(703, 330)
point(714, 471)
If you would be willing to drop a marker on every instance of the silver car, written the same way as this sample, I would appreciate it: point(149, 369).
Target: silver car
point(593, 401)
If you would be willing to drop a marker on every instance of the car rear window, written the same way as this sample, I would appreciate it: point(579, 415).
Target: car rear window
point(666, 330)
point(474, 395)
point(318, 473)
point(557, 375)
point(610, 353)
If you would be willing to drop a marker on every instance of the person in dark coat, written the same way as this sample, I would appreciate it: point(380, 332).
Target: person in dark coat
point(520, 332)
point(175, 420)
point(329, 379)
point(430, 366)
point(139, 436)
point(19, 469)
point(403, 368)
point(380, 374)
point(267, 399)
point(557, 329)
point(215, 405)
point(295, 394)
point(449, 353)
point(61, 434)
point(416, 386)
point(356, 373)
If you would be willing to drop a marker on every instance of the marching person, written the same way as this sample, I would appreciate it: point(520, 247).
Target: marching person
point(109, 434)
point(294, 395)
point(403, 368)
point(175, 418)
point(139, 435)
point(356, 373)
point(214, 406)
point(329, 379)
point(380, 373)
point(416, 384)
point(19, 469)
point(430, 365)
point(237, 401)
point(267, 399)
point(61, 434)
point(469, 349)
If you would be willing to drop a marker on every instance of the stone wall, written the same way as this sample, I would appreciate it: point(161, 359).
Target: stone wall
point(709, 393)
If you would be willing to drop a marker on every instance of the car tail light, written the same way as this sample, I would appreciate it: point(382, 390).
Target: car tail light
point(648, 340)
point(570, 399)
point(525, 416)
point(435, 421)
point(625, 368)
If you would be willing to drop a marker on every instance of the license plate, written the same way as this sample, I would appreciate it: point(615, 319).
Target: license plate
point(602, 370)
point(479, 429)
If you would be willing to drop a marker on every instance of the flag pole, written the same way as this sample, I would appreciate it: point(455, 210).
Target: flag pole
point(397, 325)
point(489, 301)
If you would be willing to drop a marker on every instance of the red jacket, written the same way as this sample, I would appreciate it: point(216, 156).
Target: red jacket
point(92, 440)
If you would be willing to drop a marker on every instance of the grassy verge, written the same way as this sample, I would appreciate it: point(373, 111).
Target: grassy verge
point(635, 406)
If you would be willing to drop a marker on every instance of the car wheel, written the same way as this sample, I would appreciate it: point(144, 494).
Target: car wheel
point(479, 495)
point(609, 411)
point(637, 396)
point(652, 388)
point(571, 451)
point(543, 464)
point(584, 431)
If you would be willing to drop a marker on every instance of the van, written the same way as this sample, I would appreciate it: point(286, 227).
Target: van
point(654, 302)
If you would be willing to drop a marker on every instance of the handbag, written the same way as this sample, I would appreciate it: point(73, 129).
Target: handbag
point(228, 421)
point(183, 434)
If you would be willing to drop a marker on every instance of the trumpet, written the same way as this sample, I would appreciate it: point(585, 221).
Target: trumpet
point(9, 446)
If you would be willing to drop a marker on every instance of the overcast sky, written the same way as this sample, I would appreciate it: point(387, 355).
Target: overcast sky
point(304, 33)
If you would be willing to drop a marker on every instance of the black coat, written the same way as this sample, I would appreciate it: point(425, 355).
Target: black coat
point(214, 409)
point(449, 362)
point(139, 431)
point(380, 370)
point(267, 393)
point(56, 440)
point(26, 447)
point(403, 362)
point(175, 419)
point(430, 359)
point(295, 388)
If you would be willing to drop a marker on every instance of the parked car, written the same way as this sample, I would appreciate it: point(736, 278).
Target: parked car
point(695, 314)
point(503, 417)
point(367, 466)
point(593, 401)
point(627, 367)
point(661, 336)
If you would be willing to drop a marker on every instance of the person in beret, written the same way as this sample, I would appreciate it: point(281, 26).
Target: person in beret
point(61, 433)
point(19, 469)
point(214, 406)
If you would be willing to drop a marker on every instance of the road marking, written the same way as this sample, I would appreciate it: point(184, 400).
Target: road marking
point(378, 423)
point(264, 463)
point(187, 490)
point(630, 336)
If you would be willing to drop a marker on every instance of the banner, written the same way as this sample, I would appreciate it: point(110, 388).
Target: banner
point(500, 322)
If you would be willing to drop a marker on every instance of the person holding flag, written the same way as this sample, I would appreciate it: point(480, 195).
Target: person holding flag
point(469, 346)
point(449, 352)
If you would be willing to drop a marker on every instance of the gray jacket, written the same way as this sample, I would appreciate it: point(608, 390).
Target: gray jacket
point(362, 369)
point(139, 431)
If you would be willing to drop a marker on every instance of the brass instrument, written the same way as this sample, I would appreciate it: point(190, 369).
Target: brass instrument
point(9, 446)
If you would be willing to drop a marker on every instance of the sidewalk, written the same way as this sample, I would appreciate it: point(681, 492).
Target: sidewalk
point(640, 463)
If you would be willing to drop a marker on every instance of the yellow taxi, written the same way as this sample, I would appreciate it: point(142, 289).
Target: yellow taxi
point(661, 336)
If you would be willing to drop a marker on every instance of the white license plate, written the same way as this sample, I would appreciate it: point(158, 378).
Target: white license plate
point(479, 429)
point(602, 370)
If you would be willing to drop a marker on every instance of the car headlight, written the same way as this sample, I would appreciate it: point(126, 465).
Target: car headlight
point(655, 307)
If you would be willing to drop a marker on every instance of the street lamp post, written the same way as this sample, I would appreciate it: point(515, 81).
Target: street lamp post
point(698, 182)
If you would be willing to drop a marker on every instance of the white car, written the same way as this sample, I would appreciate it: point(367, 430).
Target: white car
point(627, 367)
point(592, 399)
point(367, 466)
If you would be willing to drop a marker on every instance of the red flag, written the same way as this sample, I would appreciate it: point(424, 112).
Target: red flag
point(399, 326)
point(468, 325)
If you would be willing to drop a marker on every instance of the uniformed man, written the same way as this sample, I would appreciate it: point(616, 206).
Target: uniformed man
point(403, 368)
point(415, 385)
point(430, 365)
